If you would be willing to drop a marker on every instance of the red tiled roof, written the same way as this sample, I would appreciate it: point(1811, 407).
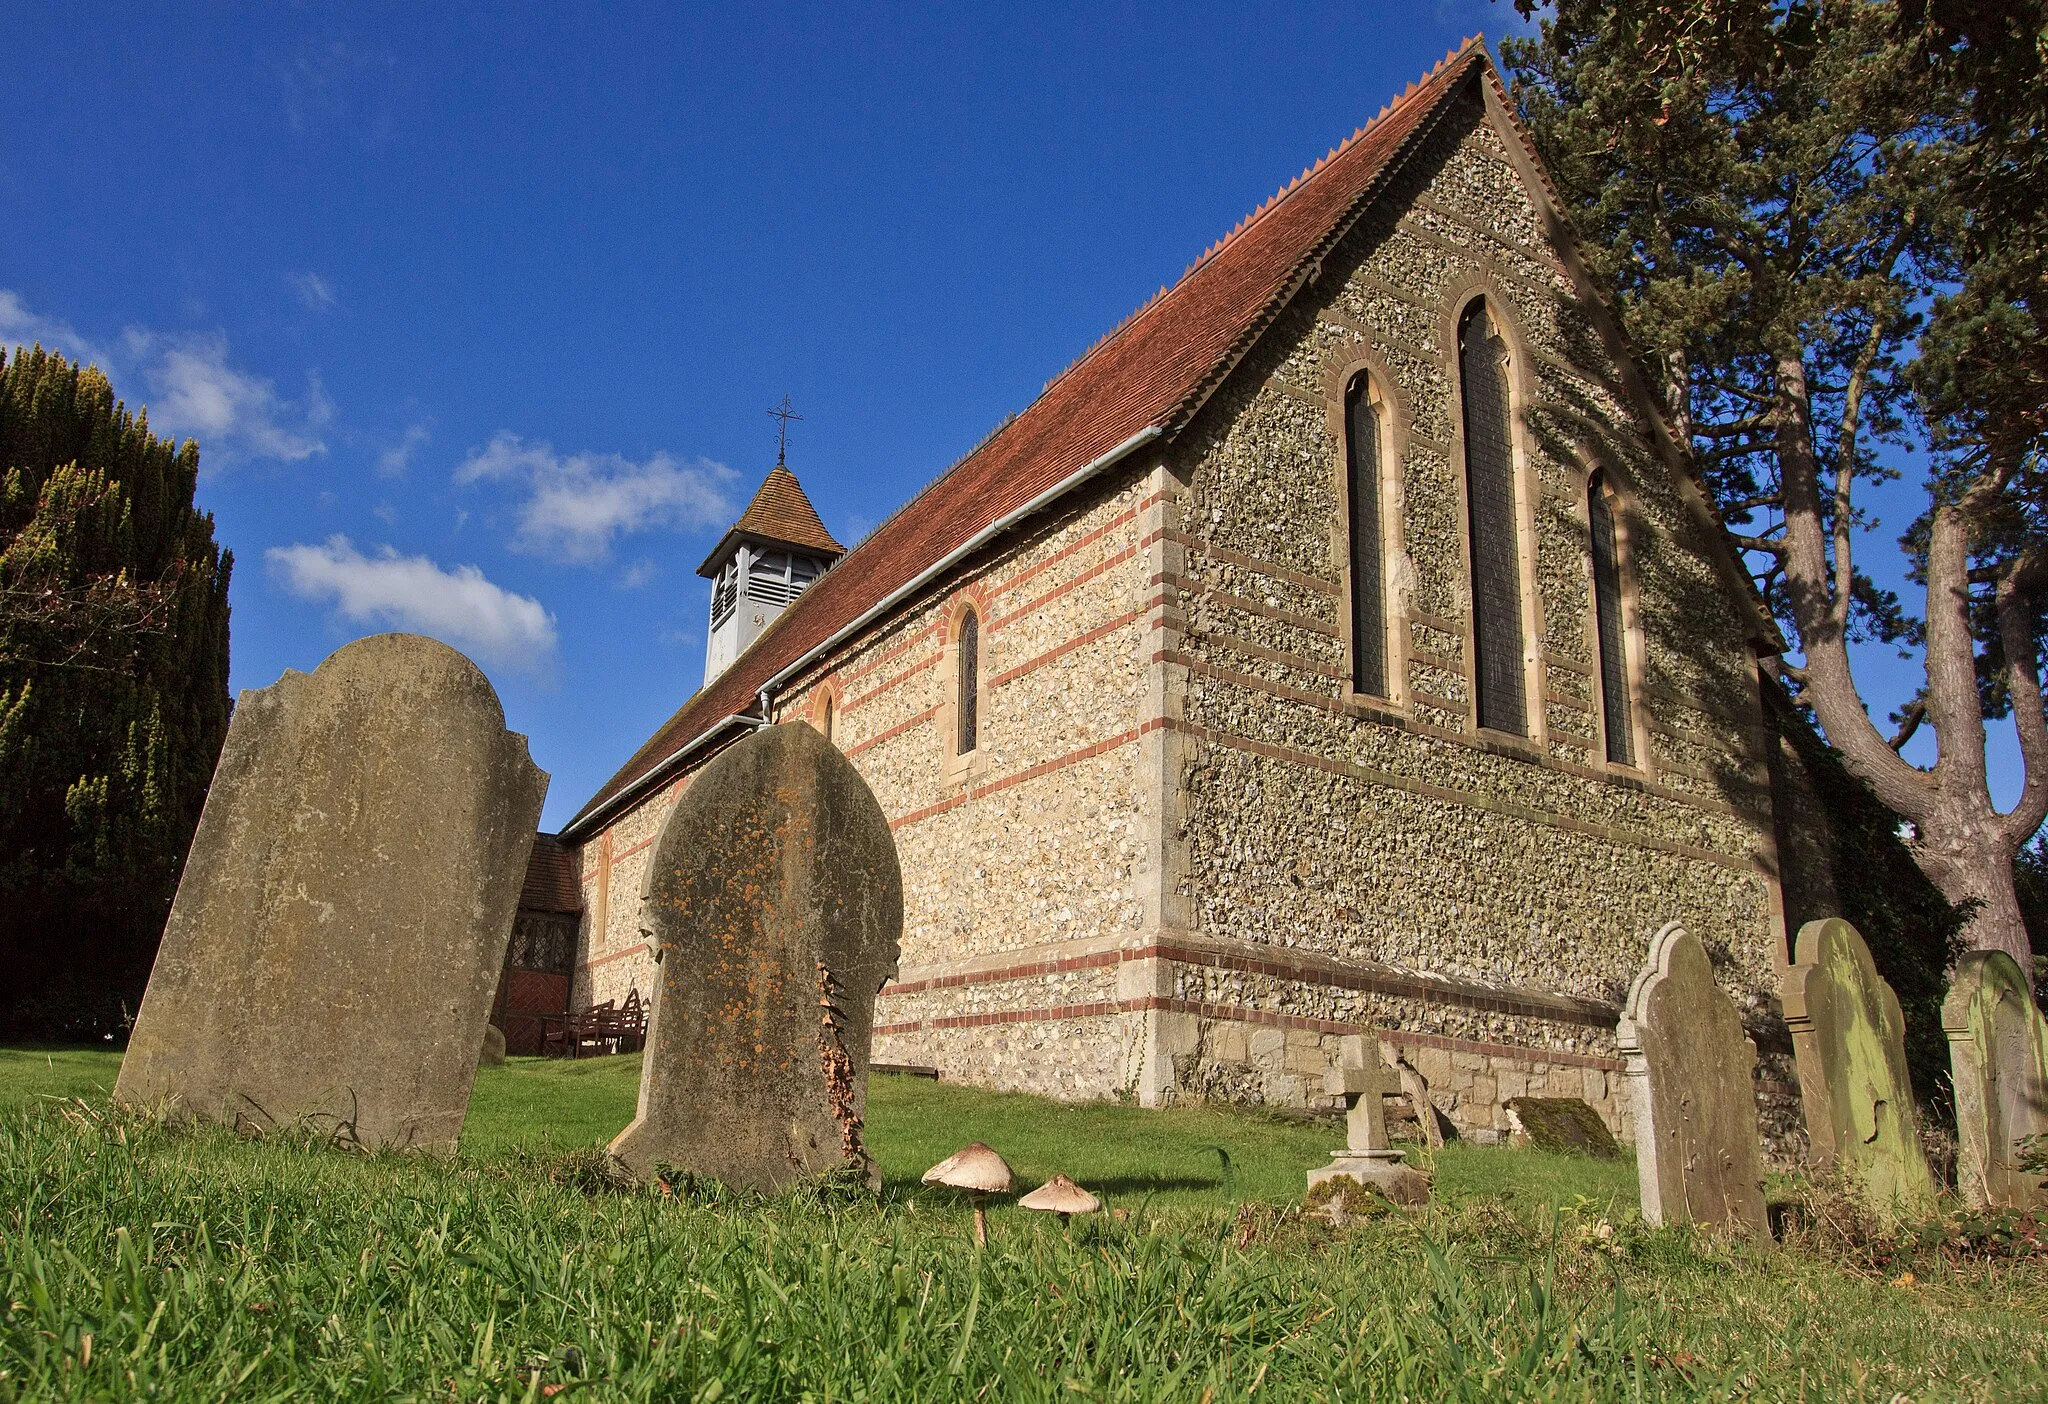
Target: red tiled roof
point(552, 883)
point(1154, 370)
point(780, 513)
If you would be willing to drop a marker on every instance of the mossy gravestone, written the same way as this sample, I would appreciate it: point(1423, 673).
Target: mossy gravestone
point(338, 934)
point(775, 904)
point(1563, 1126)
point(1691, 1068)
point(1998, 1053)
point(1849, 1039)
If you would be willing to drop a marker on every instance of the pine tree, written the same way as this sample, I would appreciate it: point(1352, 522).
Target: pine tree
point(1777, 190)
point(113, 691)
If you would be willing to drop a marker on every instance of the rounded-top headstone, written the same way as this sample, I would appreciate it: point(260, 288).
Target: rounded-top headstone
point(775, 903)
point(341, 924)
point(1692, 1067)
point(1998, 1053)
point(1849, 1039)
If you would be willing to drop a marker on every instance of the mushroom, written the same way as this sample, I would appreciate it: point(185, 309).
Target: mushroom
point(1060, 1196)
point(977, 1170)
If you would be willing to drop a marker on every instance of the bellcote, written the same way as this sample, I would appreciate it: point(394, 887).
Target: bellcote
point(762, 563)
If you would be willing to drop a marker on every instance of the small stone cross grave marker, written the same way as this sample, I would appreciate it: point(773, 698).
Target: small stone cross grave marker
point(1998, 1054)
point(1691, 1066)
point(1369, 1157)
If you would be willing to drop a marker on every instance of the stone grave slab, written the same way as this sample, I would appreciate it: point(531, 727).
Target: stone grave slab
point(1849, 1040)
point(1563, 1126)
point(1691, 1069)
point(1998, 1054)
point(338, 934)
point(775, 905)
point(1369, 1156)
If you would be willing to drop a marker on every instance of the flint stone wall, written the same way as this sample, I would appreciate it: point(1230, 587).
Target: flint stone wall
point(1396, 835)
point(1172, 761)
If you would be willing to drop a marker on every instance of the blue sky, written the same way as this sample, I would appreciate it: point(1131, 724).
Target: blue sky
point(476, 314)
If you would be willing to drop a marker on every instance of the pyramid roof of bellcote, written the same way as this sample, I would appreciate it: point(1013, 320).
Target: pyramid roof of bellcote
point(779, 515)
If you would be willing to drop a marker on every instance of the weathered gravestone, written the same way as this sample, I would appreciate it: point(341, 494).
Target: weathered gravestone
point(775, 903)
point(1849, 1039)
point(1998, 1054)
point(337, 937)
point(1369, 1156)
point(1692, 1069)
point(1562, 1126)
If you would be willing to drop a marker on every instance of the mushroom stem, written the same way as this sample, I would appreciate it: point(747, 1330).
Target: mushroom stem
point(980, 1223)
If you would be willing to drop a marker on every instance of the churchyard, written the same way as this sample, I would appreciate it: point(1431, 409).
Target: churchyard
point(144, 1261)
point(278, 1190)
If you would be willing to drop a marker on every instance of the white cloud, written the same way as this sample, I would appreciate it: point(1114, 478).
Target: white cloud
point(638, 574)
point(314, 291)
point(21, 327)
point(193, 389)
point(576, 503)
point(458, 606)
point(233, 414)
point(393, 462)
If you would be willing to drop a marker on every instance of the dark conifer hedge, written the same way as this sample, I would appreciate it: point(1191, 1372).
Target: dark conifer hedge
point(113, 692)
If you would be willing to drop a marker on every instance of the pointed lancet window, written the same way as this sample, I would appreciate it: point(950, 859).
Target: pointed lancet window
point(969, 683)
point(1490, 501)
point(1362, 433)
point(1607, 620)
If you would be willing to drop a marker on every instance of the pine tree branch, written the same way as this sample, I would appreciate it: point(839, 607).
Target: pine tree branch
point(1752, 424)
point(1909, 723)
point(1845, 456)
point(2015, 605)
point(1769, 545)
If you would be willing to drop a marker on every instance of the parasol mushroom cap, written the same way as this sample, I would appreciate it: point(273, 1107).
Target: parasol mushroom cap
point(975, 1168)
point(1060, 1195)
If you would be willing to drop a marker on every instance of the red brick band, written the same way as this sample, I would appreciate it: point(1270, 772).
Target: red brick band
point(1241, 1014)
point(1562, 1009)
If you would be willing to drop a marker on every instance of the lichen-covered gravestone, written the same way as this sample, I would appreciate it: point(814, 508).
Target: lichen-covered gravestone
point(776, 906)
point(338, 934)
point(1849, 1038)
point(1692, 1069)
point(1562, 1126)
point(1998, 1053)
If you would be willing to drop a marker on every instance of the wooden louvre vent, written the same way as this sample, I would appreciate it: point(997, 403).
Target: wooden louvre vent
point(1490, 498)
point(1368, 606)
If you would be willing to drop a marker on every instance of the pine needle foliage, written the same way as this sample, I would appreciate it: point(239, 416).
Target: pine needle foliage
point(113, 691)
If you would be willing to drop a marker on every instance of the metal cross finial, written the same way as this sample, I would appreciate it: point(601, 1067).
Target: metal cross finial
point(784, 413)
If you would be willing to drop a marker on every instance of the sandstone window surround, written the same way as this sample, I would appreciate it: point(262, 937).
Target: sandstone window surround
point(1614, 626)
point(963, 683)
point(1368, 427)
point(825, 711)
point(1485, 354)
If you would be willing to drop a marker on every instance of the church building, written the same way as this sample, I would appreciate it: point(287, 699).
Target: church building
point(1340, 645)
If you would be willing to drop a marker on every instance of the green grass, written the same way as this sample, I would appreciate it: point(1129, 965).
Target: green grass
point(30, 1075)
point(1168, 1158)
point(138, 1261)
